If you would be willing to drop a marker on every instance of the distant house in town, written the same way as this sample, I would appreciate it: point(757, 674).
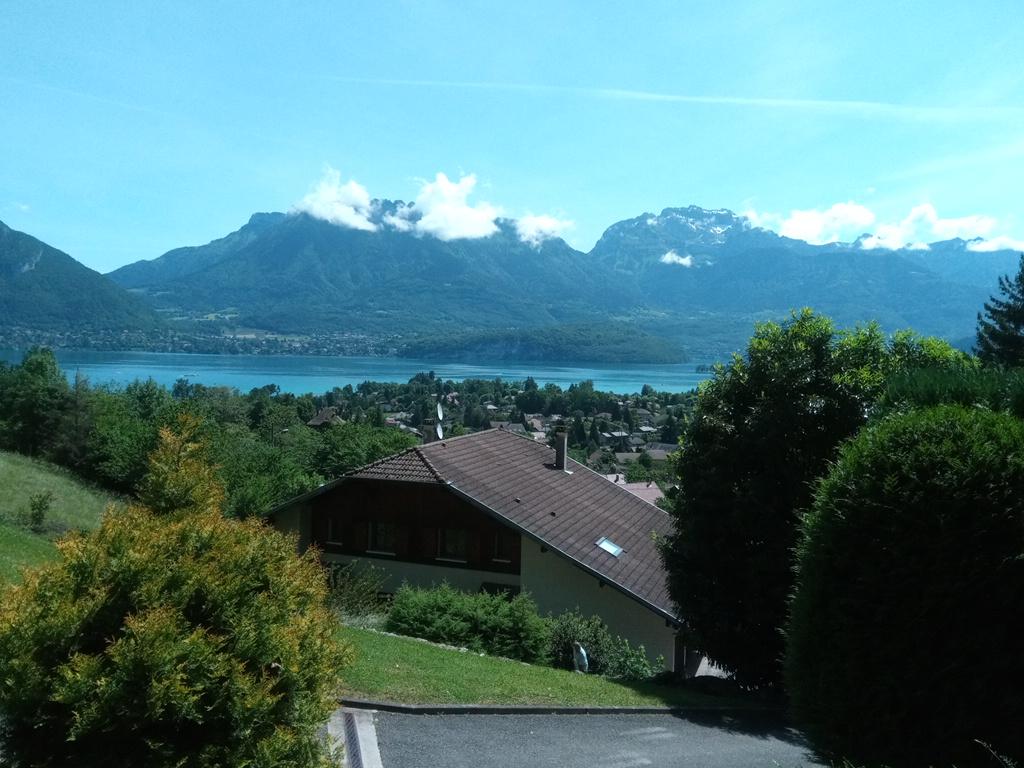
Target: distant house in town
point(496, 511)
point(325, 417)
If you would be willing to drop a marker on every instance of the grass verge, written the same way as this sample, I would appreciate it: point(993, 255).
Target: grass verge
point(75, 505)
point(412, 672)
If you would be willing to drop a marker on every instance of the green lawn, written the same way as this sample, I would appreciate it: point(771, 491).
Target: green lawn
point(412, 672)
point(75, 505)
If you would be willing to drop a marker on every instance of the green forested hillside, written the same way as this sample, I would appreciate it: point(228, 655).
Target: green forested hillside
point(607, 342)
point(75, 505)
point(45, 289)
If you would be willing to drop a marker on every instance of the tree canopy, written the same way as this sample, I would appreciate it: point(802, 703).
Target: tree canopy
point(765, 427)
point(1000, 339)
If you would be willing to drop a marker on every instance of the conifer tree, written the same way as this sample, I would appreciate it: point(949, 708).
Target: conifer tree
point(1001, 329)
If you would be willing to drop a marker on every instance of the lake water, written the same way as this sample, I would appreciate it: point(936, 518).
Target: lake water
point(300, 374)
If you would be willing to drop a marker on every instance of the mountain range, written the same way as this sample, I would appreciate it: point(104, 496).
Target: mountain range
point(687, 277)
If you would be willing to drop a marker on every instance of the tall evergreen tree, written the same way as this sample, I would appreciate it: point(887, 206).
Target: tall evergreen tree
point(1001, 329)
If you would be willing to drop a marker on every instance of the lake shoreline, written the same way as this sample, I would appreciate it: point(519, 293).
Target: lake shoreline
point(299, 374)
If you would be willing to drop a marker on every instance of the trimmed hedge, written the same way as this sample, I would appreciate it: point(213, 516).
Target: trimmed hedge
point(494, 624)
point(904, 642)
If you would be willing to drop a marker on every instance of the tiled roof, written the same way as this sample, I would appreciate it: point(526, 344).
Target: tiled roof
point(515, 479)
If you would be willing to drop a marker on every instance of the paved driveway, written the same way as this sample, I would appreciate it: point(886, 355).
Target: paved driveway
point(586, 741)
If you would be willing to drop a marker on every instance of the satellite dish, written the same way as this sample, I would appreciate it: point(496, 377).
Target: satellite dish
point(440, 413)
point(439, 430)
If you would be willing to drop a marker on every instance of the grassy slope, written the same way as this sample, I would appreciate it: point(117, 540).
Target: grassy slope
point(75, 505)
point(412, 672)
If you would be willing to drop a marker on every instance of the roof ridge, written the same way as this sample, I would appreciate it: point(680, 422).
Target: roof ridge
point(382, 460)
point(433, 470)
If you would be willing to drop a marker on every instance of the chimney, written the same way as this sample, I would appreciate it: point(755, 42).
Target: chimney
point(561, 446)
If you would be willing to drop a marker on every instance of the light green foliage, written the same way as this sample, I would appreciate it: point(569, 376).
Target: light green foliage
point(74, 506)
point(495, 624)
point(347, 446)
point(180, 478)
point(766, 426)
point(406, 670)
point(903, 645)
point(179, 638)
point(125, 430)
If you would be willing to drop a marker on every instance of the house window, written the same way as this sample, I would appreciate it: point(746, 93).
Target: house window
point(504, 542)
point(453, 545)
point(382, 538)
point(334, 533)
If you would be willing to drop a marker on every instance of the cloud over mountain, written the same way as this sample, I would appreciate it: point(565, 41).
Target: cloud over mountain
point(846, 222)
point(441, 209)
point(347, 204)
point(534, 230)
point(445, 213)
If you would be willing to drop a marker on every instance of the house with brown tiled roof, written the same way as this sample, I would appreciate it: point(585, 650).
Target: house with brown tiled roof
point(325, 417)
point(496, 511)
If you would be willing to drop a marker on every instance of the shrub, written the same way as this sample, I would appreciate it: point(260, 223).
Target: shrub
point(38, 508)
point(495, 624)
point(606, 655)
point(590, 632)
point(167, 641)
point(902, 647)
point(355, 588)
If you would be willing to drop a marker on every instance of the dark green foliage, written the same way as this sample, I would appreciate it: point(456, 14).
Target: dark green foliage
point(970, 387)
point(606, 655)
point(33, 398)
point(39, 505)
point(590, 342)
point(765, 428)
point(1001, 330)
point(494, 624)
point(589, 631)
point(904, 641)
point(43, 288)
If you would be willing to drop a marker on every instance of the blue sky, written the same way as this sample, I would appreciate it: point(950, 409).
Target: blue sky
point(130, 128)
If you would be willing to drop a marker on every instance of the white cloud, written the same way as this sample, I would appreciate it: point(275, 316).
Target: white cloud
point(23, 207)
point(347, 205)
point(674, 258)
point(845, 222)
point(997, 244)
point(924, 225)
point(534, 230)
point(829, 226)
point(445, 213)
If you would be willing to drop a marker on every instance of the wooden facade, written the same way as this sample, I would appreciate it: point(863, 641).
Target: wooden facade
point(412, 523)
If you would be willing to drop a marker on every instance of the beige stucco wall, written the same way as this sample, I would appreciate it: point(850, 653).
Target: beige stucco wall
point(295, 520)
point(558, 585)
point(423, 575)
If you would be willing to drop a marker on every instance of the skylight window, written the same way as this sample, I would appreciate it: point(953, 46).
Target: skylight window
point(609, 546)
